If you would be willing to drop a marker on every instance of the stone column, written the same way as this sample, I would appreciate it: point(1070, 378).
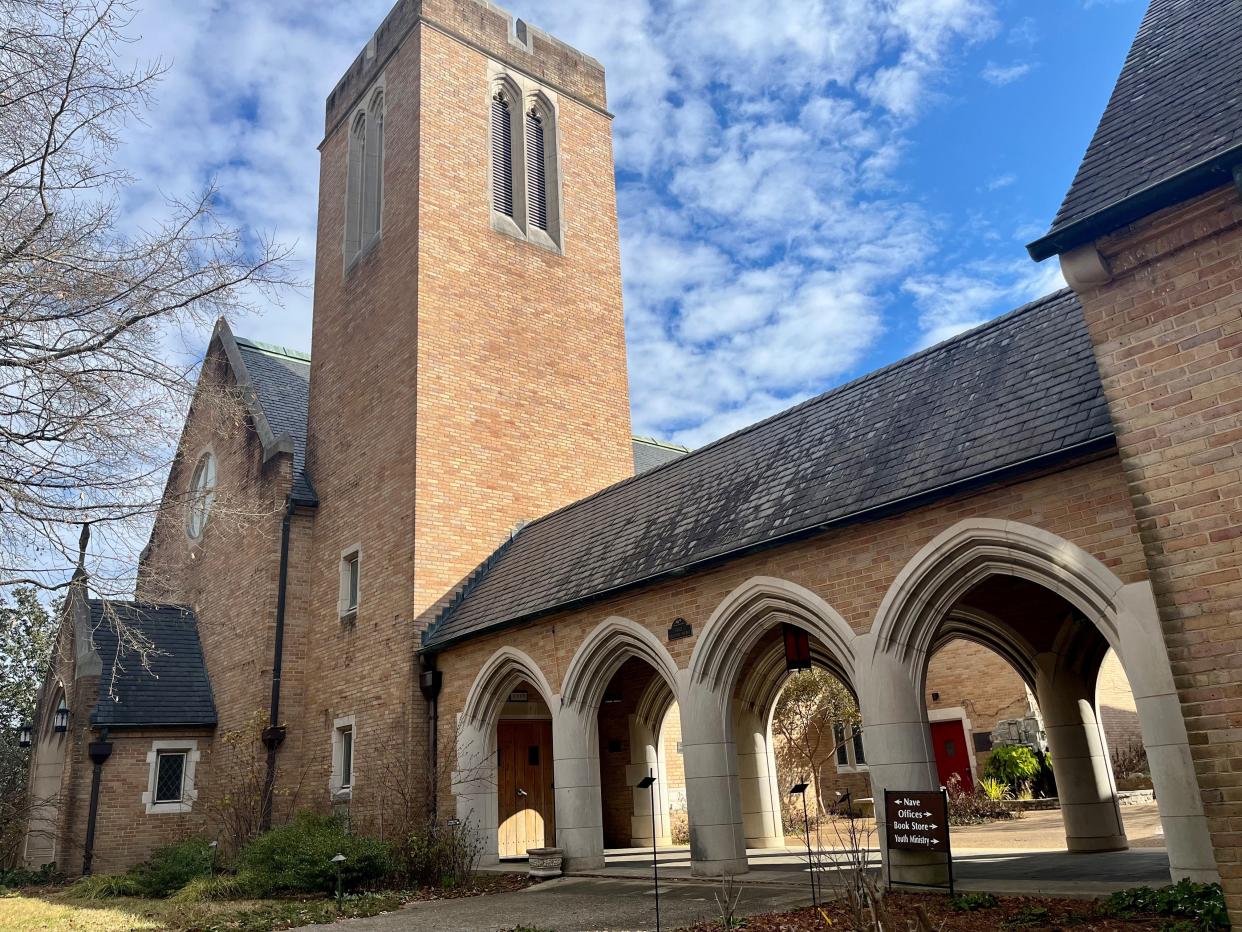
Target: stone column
point(713, 797)
point(1146, 663)
point(474, 786)
point(899, 757)
point(1085, 786)
point(579, 810)
point(756, 765)
point(644, 760)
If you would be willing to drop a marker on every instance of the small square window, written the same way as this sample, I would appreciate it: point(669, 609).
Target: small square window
point(170, 777)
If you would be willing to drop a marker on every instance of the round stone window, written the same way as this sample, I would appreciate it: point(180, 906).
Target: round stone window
point(202, 493)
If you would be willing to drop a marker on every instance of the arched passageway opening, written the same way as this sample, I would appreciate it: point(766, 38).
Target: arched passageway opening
point(1057, 653)
point(634, 718)
point(1053, 612)
point(760, 633)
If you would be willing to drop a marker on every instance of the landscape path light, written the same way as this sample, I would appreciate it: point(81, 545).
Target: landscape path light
point(799, 789)
point(338, 860)
point(648, 783)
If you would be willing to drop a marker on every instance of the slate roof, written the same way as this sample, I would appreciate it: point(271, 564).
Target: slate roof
point(281, 380)
point(173, 690)
point(1021, 388)
point(1175, 116)
point(650, 453)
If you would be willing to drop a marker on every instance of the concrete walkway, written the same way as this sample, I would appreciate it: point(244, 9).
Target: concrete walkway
point(1051, 873)
point(576, 904)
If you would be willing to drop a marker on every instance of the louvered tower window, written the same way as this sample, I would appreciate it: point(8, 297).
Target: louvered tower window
point(536, 172)
point(502, 157)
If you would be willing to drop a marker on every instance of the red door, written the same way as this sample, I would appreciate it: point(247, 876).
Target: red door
point(952, 755)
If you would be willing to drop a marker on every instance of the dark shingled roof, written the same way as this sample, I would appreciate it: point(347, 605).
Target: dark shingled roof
point(174, 690)
point(1176, 111)
point(1020, 388)
point(281, 380)
point(650, 453)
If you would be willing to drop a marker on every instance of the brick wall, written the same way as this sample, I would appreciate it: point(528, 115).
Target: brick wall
point(1168, 337)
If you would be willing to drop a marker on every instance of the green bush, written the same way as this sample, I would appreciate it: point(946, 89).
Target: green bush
point(1012, 764)
point(21, 877)
point(171, 867)
point(104, 886)
point(297, 858)
point(969, 902)
point(1202, 905)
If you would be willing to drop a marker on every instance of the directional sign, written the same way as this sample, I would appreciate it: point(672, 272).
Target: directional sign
point(917, 821)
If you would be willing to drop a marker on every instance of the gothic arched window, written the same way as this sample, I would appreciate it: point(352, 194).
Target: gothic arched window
point(373, 169)
point(536, 172)
point(354, 186)
point(502, 154)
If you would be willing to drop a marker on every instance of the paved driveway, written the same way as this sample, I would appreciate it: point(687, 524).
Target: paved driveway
point(575, 904)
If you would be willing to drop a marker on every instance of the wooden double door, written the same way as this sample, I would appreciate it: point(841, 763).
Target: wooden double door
point(524, 794)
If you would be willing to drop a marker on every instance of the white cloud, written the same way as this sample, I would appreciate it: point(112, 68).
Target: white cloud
point(951, 302)
point(1000, 75)
point(764, 232)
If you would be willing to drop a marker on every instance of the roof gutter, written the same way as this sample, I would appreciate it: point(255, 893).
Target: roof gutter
point(1087, 448)
point(1198, 179)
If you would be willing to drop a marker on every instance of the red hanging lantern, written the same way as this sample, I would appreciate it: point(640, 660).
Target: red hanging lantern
point(797, 648)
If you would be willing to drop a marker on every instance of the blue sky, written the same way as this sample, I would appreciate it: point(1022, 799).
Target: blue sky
point(808, 189)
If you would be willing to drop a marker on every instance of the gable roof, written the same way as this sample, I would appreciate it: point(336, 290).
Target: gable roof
point(173, 690)
point(1017, 391)
point(1172, 129)
point(650, 453)
point(281, 381)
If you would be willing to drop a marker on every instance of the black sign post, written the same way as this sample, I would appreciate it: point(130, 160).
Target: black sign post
point(918, 821)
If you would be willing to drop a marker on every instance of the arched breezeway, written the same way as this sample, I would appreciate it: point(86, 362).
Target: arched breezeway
point(1048, 608)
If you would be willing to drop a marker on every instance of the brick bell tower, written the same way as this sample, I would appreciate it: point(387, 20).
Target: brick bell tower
point(468, 364)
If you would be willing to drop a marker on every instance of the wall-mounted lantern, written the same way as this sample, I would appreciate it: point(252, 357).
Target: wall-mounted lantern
point(797, 648)
point(62, 716)
point(24, 735)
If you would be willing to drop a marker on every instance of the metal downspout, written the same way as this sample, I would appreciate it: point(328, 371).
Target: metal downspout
point(274, 733)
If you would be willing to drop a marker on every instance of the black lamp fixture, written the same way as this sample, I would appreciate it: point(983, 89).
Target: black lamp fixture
point(62, 716)
point(648, 783)
point(797, 648)
point(799, 789)
point(23, 735)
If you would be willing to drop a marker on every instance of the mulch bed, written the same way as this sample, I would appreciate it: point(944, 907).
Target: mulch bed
point(483, 884)
point(1027, 914)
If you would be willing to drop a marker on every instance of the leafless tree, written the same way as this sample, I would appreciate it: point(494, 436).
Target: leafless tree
point(95, 307)
point(814, 714)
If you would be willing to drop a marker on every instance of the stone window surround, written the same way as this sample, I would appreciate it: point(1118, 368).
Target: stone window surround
point(853, 766)
point(343, 610)
point(189, 792)
point(369, 104)
point(958, 713)
point(335, 791)
point(526, 95)
point(203, 454)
